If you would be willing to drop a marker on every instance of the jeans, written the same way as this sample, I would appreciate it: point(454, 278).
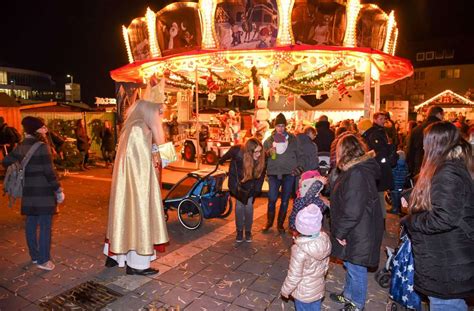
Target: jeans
point(438, 304)
point(286, 183)
point(396, 201)
point(307, 306)
point(355, 287)
point(244, 215)
point(39, 248)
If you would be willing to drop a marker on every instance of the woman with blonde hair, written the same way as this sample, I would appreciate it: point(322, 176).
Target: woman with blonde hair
point(247, 171)
point(441, 219)
point(356, 218)
point(137, 225)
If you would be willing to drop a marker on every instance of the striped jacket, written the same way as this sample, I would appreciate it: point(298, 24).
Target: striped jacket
point(40, 178)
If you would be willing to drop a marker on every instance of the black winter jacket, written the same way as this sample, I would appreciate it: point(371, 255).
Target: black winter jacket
point(324, 137)
point(443, 238)
point(355, 213)
point(415, 146)
point(376, 139)
point(307, 152)
point(40, 179)
point(236, 170)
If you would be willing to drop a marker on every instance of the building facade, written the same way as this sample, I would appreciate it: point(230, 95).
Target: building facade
point(442, 64)
point(29, 85)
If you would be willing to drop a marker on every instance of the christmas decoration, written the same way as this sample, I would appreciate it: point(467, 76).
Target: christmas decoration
point(342, 89)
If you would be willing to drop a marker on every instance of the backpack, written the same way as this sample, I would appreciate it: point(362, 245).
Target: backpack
point(15, 176)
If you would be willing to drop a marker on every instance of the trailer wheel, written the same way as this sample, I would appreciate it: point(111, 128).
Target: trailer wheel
point(211, 157)
point(189, 152)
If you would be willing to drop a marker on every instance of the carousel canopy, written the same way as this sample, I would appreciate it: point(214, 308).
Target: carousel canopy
point(237, 47)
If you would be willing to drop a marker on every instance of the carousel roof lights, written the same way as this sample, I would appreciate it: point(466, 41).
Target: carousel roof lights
point(390, 26)
point(127, 44)
point(353, 8)
point(274, 38)
point(151, 21)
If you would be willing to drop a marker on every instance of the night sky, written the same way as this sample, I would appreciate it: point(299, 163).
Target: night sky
point(83, 37)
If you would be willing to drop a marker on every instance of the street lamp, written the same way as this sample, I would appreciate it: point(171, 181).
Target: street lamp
point(72, 83)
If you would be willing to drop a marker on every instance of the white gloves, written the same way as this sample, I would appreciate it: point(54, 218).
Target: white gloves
point(60, 195)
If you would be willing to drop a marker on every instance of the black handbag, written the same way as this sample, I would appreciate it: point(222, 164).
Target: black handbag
point(241, 193)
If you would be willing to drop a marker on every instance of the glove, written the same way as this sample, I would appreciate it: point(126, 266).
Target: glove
point(60, 196)
point(297, 171)
point(406, 221)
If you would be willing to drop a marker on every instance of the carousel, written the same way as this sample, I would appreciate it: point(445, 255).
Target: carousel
point(260, 49)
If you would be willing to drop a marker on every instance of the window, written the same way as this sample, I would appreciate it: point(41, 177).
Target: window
point(420, 57)
point(448, 54)
point(456, 73)
point(419, 75)
point(3, 77)
point(439, 54)
point(429, 55)
point(442, 74)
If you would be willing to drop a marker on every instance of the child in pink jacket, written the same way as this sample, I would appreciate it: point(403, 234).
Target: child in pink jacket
point(309, 261)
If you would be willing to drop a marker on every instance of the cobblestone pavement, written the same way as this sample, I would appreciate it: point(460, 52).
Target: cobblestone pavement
point(201, 270)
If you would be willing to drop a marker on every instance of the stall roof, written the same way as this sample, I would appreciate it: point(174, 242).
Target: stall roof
point(447, 99)
point(7, 101)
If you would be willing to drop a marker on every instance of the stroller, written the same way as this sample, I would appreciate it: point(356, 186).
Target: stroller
point(398, 275)
point(199, 195)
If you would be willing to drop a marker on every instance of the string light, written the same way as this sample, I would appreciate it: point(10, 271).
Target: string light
point(151, 25)
point(353, 9)
point(390, 24)
point(127, 43)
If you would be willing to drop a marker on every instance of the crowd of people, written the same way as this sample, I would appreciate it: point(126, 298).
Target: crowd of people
point(367, 160)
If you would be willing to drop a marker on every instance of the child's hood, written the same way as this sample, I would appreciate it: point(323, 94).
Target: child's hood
point(317, 247)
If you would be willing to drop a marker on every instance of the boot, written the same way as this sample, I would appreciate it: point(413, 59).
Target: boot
point(240, 236)
point(269, 224)
point(281, 221)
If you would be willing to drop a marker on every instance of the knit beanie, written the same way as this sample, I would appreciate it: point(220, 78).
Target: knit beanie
point(308, 220)
point(31, 124)
point(364, 125)
point(280, 119)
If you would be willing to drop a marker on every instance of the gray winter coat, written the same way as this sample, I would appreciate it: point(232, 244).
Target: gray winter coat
point(40, 179)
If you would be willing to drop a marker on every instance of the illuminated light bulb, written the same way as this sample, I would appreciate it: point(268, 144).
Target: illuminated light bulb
point(374, 73)
point(150, 23)
point(395, 40)
point(208, 9)
point(285, 33)
point(353, 9)
point(127, 44)
point(390, 25)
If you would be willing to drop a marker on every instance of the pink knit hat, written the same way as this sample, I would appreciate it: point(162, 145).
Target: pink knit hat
point(308, 220)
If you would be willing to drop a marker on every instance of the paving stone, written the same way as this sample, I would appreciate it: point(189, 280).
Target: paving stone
point(254, 300)
point(194, 264)
point(230, 262)
point(204, 303)
point(131, 282)
point(153, 290)
point(231, 286)
point(31, 307)
point(42, 288)
point(233, 307)
point(280, 304)
point(264, 284)
point(174, 276)
point(8, 300)
point(179, 296)
point(198, 283)
point(208, 256)
point(129, 302)
point(254, 267)
point(215, 272)
point(276, 272)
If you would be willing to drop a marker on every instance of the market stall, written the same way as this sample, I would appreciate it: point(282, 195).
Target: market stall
point(453, 104)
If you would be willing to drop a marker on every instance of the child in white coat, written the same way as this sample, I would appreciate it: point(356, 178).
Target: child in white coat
point(309, 261)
